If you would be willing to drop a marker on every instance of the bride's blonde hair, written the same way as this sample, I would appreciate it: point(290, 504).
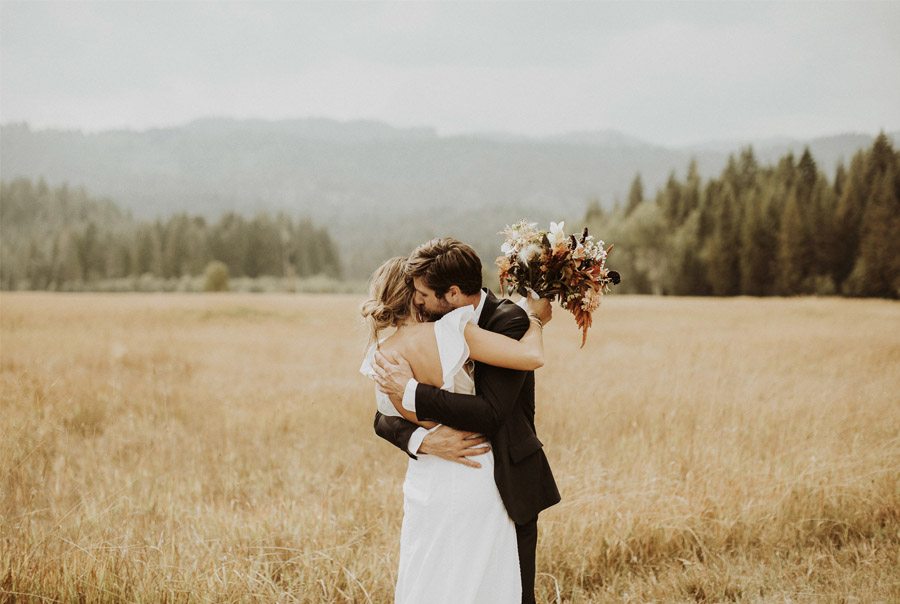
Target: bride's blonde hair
point(390, 297)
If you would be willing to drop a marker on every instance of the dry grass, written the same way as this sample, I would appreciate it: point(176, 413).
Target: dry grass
point(219, 448)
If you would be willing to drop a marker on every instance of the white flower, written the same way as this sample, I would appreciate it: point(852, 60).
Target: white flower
point(507, 247)
point(556, 233)
point(519, 230)
point(530, 253)
point(591, 300)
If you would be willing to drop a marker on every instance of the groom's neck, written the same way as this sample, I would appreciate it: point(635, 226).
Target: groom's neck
point(474, 300)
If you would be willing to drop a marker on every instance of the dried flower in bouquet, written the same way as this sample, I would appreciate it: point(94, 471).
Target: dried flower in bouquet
point(557, 266)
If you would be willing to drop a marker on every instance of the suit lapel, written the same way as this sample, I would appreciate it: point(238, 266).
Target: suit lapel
point(490, 305)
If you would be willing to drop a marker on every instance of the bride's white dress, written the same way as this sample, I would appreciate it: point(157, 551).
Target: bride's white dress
point(457, 543)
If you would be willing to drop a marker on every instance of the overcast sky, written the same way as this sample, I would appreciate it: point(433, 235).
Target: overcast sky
point(672, 73)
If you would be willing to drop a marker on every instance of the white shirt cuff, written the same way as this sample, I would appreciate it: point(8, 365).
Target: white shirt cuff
point(409, 396)
point(415, 441)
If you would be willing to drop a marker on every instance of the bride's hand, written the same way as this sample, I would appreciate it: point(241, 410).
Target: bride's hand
point(540, 307)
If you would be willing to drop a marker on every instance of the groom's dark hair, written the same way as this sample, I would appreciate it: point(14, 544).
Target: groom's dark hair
point(443, 262)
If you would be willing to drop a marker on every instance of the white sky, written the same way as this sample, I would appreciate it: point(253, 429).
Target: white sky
point(671, 73)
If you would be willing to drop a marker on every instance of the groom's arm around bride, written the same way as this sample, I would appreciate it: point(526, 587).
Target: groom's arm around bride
point(502, 409)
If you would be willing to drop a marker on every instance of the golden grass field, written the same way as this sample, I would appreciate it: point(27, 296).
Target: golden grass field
point(219, 448)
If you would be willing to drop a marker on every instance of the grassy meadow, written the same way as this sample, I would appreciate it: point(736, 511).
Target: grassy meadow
point(219, 448)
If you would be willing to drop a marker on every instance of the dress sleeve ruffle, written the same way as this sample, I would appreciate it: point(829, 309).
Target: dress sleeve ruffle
point(382, 401)
point(449, 331)
point(368, 365)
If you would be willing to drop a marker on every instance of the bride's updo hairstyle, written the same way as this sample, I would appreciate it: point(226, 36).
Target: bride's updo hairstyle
point(390, 298)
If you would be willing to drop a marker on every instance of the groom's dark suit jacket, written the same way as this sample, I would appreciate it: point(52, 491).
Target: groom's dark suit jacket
point(503, 410)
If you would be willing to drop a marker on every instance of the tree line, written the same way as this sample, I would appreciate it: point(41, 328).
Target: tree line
point(782, 229)
point(759, 230)
point(60, 237)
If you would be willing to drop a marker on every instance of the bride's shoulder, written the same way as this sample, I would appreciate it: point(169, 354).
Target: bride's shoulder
point(385, 344)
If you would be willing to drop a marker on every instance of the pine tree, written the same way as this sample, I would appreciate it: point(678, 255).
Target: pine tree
point(116, 257)
point(879, 253)
point(669, 200)
point(756, 250)
point(228, 243)
point(866, 183)
point(690, 271)
point(175, 246)
point(10, 268)
point(302, 248)
point(198, 252)
point(824, 232)
point(147, 253)
point(690, 194)
point(746, 172)
point(595, 214)
point(331, 265)
point(635, 195)
point(285, 228)
point(263, 248)
point(807, 175)
point(848, 219)
point(38, 269)
point(89, 252)
point(67, 267)
point(706, 212)
point(840, 180)
point(722, 247)
point(794, 249)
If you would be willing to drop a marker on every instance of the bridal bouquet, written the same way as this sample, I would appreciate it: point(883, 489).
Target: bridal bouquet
point(554, 265)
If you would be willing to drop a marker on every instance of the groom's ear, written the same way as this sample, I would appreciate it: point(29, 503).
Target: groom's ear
point(453, 292)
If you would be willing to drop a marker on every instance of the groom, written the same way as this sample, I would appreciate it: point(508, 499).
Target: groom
point(502, 410)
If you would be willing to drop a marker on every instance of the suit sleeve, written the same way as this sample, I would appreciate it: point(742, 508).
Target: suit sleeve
point(395, 430)
point(499, 389)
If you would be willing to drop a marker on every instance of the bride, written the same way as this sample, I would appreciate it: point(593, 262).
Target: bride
point(457, 542)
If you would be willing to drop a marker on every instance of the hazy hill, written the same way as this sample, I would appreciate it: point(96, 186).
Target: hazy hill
point(379, 189)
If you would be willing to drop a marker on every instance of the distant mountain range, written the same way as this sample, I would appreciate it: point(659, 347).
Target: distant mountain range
point(379, 189)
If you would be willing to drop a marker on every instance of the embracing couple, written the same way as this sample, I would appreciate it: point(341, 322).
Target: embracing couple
point(456, 393)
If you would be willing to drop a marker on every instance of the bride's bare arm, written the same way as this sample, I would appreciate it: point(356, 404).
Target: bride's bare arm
point(397, 399)
point(498, 350)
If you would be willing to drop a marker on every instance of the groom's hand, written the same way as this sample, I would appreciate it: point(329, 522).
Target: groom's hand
point(455, 445)
point(392, 372)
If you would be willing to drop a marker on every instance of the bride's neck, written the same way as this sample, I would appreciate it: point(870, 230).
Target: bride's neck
point(406, 323)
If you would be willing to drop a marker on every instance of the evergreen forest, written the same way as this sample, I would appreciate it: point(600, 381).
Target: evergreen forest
point(760, 230)
point(61, 238)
